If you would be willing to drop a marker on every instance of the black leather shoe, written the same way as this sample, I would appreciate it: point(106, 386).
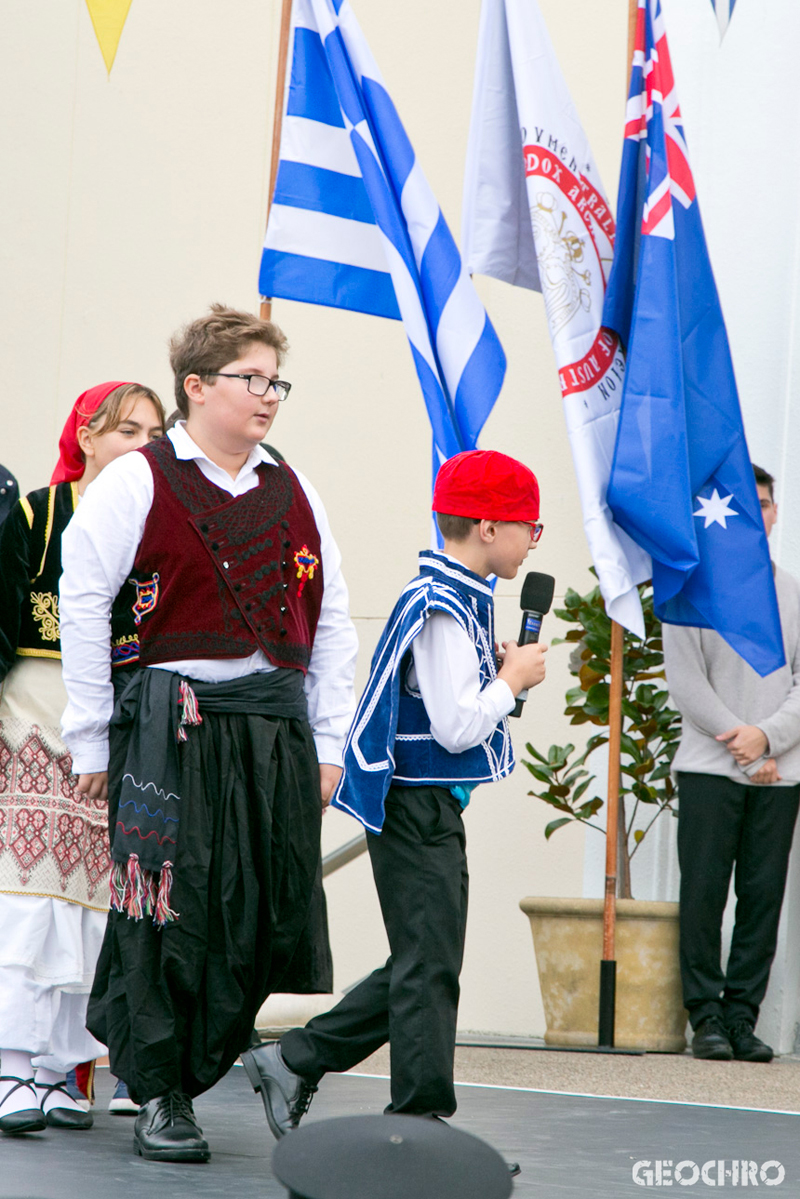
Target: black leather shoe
point(710, 1041)
point(62, 1117)
point(286, 1095)
point(746, 1046)
point(166, 1131)
point(28, 1120)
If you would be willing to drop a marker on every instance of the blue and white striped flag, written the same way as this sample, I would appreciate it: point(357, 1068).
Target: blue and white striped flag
point(724, 11)
point(354, 224)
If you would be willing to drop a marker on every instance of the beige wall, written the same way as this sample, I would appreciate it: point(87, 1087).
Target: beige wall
point(132, 202)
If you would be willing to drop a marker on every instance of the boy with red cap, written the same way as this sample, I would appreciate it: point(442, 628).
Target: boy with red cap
point(430, 726)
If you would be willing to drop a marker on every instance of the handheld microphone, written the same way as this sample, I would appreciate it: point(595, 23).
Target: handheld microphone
point(535, 601)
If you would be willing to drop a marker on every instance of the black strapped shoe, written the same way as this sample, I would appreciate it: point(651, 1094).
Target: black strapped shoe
point(286, 1096)
point(29, 1120)
point(62, 1117)
point(166, 1131)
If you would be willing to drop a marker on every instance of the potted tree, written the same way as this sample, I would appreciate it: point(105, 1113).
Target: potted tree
point(568, 933)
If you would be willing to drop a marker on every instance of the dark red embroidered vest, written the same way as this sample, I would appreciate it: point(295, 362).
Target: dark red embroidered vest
point(218, 577)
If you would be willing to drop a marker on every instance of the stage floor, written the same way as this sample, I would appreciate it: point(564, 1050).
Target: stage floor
point(569, 1146)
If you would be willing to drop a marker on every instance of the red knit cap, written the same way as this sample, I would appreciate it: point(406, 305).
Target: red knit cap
point(486, 485)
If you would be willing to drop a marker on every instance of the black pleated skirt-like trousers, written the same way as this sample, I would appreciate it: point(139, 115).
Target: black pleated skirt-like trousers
point(176, 1005)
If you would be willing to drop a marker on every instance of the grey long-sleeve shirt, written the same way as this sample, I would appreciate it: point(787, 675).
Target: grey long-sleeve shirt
point(715, 689)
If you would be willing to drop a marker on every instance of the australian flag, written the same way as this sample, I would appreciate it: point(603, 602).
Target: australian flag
point(681, 481)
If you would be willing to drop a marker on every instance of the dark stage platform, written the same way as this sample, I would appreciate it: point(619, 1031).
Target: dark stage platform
point(569, 1146)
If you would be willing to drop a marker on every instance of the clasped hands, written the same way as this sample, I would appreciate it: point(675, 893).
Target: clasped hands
point(747, 743)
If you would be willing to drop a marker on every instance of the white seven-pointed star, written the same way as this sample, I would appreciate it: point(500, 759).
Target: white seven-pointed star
point(715, 510)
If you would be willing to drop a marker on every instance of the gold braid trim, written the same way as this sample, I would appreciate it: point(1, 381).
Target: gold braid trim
point(51, 503)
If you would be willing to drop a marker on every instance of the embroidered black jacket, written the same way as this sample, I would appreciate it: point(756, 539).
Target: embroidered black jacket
point(30, 567)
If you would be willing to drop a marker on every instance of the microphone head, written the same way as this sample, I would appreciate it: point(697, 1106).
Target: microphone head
point(537, 592)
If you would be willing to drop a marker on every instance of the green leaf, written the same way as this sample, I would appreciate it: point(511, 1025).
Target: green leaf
point(556, 824)
point(579, 790)
point(535, 753)
point(638, 835)
point(630, 747)
point(587, 810)
point(543, 776)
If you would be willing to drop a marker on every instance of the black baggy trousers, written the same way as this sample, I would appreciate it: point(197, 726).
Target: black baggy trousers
point(176, 1006)
point(420, 868)
point(724, 825)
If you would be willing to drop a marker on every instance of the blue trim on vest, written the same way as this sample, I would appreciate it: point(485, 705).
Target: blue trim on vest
point(390, 739)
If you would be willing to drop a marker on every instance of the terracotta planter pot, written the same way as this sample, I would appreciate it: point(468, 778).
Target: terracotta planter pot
point(568, 940)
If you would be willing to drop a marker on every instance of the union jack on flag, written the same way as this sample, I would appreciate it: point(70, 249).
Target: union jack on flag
point(681, 467)
point(653, 98)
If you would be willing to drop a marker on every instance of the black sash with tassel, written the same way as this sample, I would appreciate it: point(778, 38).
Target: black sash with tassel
point(154, 714)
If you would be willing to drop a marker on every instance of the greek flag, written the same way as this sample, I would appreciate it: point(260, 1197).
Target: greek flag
point(724, 11)
point(354, 224)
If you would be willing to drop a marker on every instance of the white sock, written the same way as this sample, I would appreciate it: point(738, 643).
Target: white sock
point(17, 1064)
point(45, 1078)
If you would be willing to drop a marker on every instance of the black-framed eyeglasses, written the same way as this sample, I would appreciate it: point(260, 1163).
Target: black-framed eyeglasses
point(258, 385)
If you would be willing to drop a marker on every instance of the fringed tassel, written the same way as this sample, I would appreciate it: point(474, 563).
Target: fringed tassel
point(116, 882)
point(191, 712)
point(152, 887)
point(163, 912)
point(136, 891)
point(141, 893)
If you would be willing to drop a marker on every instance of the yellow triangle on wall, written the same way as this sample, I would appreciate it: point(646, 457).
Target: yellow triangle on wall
point(108, 18)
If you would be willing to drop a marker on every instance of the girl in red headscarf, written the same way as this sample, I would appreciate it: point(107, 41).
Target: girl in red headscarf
point(53, 840)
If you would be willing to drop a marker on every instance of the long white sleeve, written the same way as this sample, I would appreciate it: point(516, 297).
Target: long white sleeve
point(331, 673)
point(97, 551)
point(448, 676)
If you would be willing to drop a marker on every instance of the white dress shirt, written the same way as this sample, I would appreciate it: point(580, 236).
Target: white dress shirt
point(447, 672)
point(98, 551)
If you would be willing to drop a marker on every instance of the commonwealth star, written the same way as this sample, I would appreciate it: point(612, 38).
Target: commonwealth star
point(715, 510)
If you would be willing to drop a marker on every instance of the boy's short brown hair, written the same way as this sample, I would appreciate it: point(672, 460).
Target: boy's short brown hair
point(211, 342)
point(764, 479)
point(456, 528)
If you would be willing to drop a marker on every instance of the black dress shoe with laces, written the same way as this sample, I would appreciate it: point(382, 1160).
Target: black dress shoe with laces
point(747, 1047)
point(710, 1041)
point(286, 1095)
point(71, 1117)
point(166, 1131)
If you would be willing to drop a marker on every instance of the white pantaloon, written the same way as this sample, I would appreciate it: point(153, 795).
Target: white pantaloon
point(48, 951)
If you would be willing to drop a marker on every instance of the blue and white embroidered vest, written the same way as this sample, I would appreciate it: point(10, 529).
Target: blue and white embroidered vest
point(390, 739)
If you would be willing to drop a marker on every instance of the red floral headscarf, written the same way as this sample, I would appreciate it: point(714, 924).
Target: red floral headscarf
point(71, 465)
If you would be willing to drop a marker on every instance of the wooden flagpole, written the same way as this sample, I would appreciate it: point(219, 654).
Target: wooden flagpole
point(277, 123)
point(608, 965)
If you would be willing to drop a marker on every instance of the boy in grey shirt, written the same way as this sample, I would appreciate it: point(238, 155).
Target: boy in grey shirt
point(738, 768)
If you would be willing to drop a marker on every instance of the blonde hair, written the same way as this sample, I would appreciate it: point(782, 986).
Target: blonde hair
point(109, 415)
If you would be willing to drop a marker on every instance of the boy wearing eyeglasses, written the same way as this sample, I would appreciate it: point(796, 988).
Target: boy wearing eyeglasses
point(430, 726)
point(226, 738)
